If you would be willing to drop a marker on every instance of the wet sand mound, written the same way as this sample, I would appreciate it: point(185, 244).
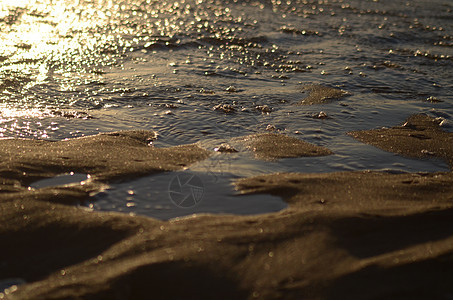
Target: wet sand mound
point(356, 192)
point(420, 136)
point(321, 94)
point(105, 156)
point(270, 146)
point(374, 233)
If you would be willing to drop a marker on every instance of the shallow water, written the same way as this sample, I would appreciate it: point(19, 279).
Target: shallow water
point(170, 195)
point(62, 180)
point(74, 68)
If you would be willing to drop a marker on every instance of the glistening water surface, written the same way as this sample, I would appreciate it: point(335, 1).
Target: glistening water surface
point(75, 68)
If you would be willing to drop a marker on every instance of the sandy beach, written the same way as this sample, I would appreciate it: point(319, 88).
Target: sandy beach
point(350, 234)
point(224, 149)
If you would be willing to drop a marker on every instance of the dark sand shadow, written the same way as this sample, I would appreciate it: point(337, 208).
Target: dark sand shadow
point(53, 248)
point(173, 280)
point(371, 236)
point(428, 279)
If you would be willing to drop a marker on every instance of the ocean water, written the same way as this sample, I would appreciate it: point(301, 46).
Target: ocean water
point(76, 68)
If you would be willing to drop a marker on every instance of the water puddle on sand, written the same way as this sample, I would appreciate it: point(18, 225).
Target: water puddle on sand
point(177, 194)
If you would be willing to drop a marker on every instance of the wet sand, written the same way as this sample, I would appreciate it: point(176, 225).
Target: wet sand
point(271, 146)
point(348, 235)
point(319, 94)
point(105, 156)
point(420, 136)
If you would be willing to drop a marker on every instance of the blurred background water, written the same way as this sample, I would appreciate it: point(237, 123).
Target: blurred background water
point(76, 68)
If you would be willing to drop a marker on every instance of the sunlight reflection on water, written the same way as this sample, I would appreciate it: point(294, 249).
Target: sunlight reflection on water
point(75, 68)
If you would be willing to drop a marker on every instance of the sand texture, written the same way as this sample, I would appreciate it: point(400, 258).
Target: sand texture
point(347, 235)
point(420, 136)
point(319, 94)
point(105, 156)
point(271, 146)
point(334, 241)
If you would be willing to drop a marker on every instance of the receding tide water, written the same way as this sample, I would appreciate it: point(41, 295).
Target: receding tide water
point(76, 68)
